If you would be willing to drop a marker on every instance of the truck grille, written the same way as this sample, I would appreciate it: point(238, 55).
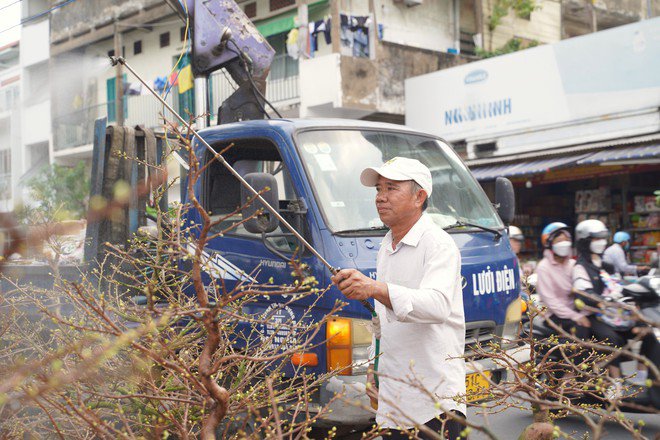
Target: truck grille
point(478, 331)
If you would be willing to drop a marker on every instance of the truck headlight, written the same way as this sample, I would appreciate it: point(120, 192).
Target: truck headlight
point(511, 330)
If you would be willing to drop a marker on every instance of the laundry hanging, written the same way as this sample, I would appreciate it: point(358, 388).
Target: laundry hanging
point(292, 43)
point(316, 28)
point(321, 26)
point(134, 88)
point(354, 35)
point(160, 83)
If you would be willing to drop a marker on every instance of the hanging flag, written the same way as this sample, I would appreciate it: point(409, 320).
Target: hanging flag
point(173, 80)
point(185, 79)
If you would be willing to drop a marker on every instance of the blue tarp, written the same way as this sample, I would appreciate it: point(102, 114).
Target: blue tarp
point(529, 168)
point(622, 154)
point(538, 166)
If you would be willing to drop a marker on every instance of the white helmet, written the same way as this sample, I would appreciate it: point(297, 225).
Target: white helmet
point(592, 228)
point(515, 233)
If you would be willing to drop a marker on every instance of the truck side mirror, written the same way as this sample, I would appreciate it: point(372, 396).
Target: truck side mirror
point(266, 221)
point(505, 199)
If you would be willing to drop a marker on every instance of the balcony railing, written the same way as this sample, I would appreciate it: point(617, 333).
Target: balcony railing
point(8, 98)
point(77, 128)
point(280, 91)
point(5, 186)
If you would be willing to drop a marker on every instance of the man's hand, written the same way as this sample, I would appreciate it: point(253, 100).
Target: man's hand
point(354, 284)
point(372, 389)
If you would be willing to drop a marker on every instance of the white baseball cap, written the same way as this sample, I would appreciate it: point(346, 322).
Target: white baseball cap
point(400, 168)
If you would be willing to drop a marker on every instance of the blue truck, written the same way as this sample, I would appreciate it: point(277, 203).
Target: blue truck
point(315, 166)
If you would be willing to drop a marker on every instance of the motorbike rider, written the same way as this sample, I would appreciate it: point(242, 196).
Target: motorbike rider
point(590, 276)
point(516, 240)
point(616, 255)
point(555, 282)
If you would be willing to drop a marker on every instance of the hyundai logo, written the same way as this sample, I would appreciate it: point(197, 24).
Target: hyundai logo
point(476, 76)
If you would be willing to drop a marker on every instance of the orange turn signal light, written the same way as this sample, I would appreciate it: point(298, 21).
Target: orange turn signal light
point(523, 305)
point(338, 332)
point(305, 359)
point(339, 345)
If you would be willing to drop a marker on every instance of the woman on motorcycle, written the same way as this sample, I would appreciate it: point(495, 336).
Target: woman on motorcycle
point(554, 283)
point(590, 276)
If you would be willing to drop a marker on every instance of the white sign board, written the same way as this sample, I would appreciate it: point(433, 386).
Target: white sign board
point(607, 72)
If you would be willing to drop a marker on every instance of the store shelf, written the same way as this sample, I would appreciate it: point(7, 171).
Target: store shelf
point(593, 212)
point(642, 247)
point(643, 212)
point(644, 229)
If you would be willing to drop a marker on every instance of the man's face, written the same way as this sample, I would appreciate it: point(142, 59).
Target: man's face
point(396, 202)
point(516, 246)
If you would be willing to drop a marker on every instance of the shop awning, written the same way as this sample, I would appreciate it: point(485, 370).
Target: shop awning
point(277, 25)
point(520, 169)
point(623, 156)
point(285, 22)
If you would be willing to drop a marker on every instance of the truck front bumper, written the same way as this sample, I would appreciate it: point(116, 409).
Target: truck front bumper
point(351, 406)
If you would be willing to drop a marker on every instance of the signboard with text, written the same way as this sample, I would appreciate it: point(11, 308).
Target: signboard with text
point(608, 72)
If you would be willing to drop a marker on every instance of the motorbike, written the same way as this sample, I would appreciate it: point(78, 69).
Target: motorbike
point(644, 294)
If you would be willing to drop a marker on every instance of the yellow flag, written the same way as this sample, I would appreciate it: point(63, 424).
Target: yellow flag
point(185, 79)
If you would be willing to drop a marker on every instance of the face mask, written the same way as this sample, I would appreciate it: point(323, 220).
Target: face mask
point(562, 249)
point(627, 246)
point(598, 246)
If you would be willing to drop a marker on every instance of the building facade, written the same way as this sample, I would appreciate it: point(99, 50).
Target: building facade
point(10, 121)
point(334, 58)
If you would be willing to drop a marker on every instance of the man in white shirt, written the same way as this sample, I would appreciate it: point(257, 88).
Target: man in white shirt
point(419, 300)
point(615, 255)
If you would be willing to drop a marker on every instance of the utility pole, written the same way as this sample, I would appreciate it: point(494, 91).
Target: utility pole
point(649, 9)
point(479, 22)
point(592, 15)
point(456, 10)
point(119, 78)
point(334, 31)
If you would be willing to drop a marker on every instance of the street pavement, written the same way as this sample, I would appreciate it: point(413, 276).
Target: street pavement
point(509, 424)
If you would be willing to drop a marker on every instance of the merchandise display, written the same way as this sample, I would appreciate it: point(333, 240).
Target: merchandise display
point(623, 203)
point(645, 228)
point(596, 204)
point(594, 201)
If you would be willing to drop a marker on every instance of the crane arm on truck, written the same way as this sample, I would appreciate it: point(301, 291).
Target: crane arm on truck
point(224, 37)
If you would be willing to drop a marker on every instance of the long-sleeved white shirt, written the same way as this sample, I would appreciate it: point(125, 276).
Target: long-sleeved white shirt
point(616, 256)
point(424, 328)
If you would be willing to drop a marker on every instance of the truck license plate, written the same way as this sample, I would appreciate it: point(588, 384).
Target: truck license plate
point(477, 386)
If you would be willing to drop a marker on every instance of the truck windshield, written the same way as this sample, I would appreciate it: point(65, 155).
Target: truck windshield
point(334, 160)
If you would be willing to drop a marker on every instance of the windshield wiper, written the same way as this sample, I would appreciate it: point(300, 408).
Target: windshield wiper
point(462, 223)
point(371, 229)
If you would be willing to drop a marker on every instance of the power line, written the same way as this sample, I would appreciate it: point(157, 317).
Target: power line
point(10, 4)
point(35, 16)
point(138, 26)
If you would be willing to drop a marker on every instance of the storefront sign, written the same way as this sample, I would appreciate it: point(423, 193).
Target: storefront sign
point(605, 73)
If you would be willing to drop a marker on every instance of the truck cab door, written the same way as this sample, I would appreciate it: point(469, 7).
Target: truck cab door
point(241, 255)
